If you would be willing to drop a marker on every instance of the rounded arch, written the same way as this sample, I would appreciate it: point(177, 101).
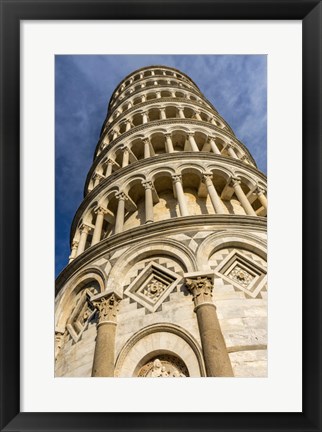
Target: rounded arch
point(178, 341)
point(168, 248)
point(65, 303)
point(216, 241)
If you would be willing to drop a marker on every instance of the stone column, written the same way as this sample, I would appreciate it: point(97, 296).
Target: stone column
point(143, 98)
point(126, 155)
point(198, 117)
point(109, 167)
point(180, 195)
point(242, 197)
point(169, 145)
point(162, 114)
point(158, 93)
point(214, 349)
point(73, 252)
point(97, 177)
point(215, 200)
point(213, 146)
point(115, 135)
point(100, 212)
point(213, 121)
point(193, 143)
point(147, 152)
point(144, 117)
point(128, 125)
point(148, 201)
point(231, 152)
point(181, 113)
point(84, 229)
point(261, 196)
point(103, 363)
point(120, 212)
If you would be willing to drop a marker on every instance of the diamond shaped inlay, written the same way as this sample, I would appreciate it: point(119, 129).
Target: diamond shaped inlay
point(242, 273)
point(152, 286)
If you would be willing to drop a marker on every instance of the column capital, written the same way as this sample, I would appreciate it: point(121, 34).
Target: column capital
point(201, 286)
point(100, 210)
point(259, 190)
point(121, 196)
point(168, 135)
point(207, 176)
point(110, 162)
point(146, 140)
point(234, 181)
point(147, 184)
point(107, 307)
point(124, 149)
point(192, 134)
point(75, 244)
point(85, 228)
point(177, 178)
point(98, 175)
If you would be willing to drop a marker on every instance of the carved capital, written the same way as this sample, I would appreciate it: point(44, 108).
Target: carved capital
point(147, 184)
point(259, 191)
point(207, 178)
point(85, 228)
point(176, 178)
point(107, 308)
point(100, 210)
point(121, 196)
point(234, 181)
point(125, 149)
point(146, 140)
point(201, 288)
point(75, 244)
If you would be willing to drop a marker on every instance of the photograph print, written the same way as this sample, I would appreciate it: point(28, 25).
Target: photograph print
point(161, 216)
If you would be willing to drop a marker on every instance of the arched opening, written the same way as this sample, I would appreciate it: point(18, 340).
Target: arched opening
point(167, 207)
point(158, 143)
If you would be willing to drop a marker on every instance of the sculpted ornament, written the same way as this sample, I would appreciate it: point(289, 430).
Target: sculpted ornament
point(107, 308)
point(201, 289)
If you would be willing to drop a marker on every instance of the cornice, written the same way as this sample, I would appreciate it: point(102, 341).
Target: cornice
point(159, 229)
point(168, 122)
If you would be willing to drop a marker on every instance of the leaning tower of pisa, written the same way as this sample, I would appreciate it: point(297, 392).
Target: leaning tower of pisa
point(167, 270)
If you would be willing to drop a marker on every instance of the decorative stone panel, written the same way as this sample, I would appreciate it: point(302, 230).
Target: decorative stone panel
point(81, 316)
point(243, 273)
point(151, 287)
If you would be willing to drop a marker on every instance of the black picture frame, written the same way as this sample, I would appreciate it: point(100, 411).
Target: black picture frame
point(12, 12)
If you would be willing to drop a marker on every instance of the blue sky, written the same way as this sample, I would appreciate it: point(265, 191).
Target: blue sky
point(235, 84)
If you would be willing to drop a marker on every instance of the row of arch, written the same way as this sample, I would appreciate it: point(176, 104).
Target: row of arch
point(173, 249)
point(163, 142)
point(158, 72)
point(167, 111)
point(152, 82)
point(165, 193)
point(153, 94)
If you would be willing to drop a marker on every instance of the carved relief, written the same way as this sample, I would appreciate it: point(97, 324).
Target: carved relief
point(152, 286)
point(164, 366)
point(243, 273)
point(81, 315)
point(107, 308)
